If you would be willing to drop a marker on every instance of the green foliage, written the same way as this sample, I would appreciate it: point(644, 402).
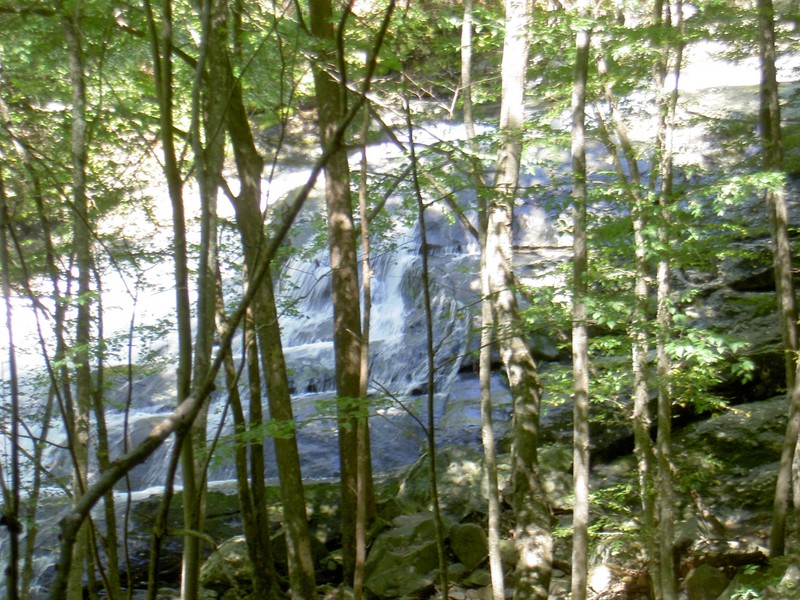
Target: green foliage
point(697, 472)
point(716, 205)
point(702, 359)
point(615, 525)
point(752, 582)
point(227, 445)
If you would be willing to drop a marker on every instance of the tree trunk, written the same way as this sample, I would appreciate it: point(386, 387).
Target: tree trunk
point(362, 432)
point(487, 433)
point(250, 223)
point(671, 61)
point(111, 581)
point(59, 318)
point(206, 117)
point(11, 510)
point(532, 531)
point(161, 43)
point(345, 288)
point(487, 321)
point(640, 344)
point(775, 198)
point(430, 354)
point(256, 529)
point(260, 538)
point(580, 337)
point(83, 258)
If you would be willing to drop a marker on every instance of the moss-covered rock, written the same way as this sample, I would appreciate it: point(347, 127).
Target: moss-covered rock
point(228, 567)
point(468, 542)
point(404, 560)
point(705, 583)
point(779, 580)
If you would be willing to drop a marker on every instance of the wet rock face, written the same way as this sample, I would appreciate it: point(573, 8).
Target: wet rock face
point(749, 435)
point(731, 461)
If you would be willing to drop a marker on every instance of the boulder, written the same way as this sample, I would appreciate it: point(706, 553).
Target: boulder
point(778, 580)
point(705, 583)
point(787, 587)
point(228, 567)
point(479, 578)
point(725, 554)
point(460, 593)
point(461, 482)
point(403, 561)
point(468, 542)
point(731, 459)
point(609, 580)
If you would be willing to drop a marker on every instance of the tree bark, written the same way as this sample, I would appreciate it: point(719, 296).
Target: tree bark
point(775, 198)
point(249, 219)
point(111, 579)
point(11, 511)
point(344, 269)
point(57, 375)
point(638, 331)
point(532, 530)
point(362, 432)
point(580, 337)
point(83, 259)
point(254, 524)
point(161, 43)
point(671, 61)
point(487, 319)
point(430, 355)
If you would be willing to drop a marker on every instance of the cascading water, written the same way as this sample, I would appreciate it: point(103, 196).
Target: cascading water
point(397, 361)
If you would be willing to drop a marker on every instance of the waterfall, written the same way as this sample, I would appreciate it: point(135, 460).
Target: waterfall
point(398, 360)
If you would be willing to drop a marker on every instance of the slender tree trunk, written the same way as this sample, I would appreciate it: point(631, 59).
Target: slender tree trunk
point(35, 191)
point(301, 569)
point(256, 529)
point(642, 421)
point(11, 510)
point(430, 353)
point(219, 96)
point(668, 100)
point(363, 448)
point(532, 531)
point(111, 581)
point(82, 240)
point(345, 288)
point(250, 223)
point(58, 376)
point(466, 69)
point(580, 337)
point(487, 322)
point(207, 116)
point(640, 337)
point(487, 432)
point(261, 538)
point(665, 498)
point(161, 43)
point(775, 198)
